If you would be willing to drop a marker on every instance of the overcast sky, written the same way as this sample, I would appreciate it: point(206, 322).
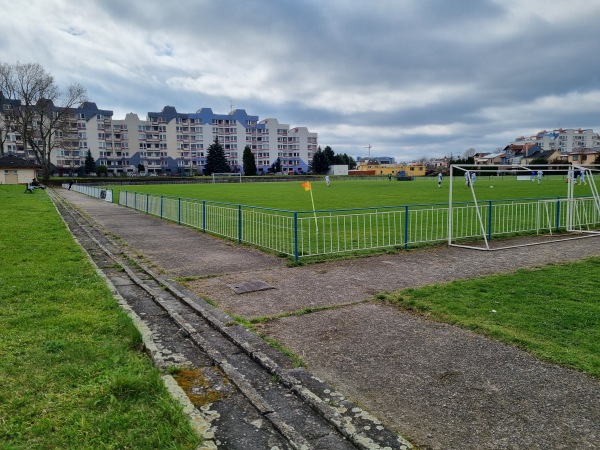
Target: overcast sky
point(411, 78)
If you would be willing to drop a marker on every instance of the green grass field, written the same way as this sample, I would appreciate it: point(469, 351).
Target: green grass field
point(552, 312)
point(72, 371)
point(356, 193)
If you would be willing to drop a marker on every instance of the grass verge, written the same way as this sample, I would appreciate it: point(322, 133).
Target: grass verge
point(72, 373)
point(552, 312)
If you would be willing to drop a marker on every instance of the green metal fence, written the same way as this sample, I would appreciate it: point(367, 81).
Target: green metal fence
point(310, 233)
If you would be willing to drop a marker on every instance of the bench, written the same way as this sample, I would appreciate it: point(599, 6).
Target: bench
point(30, 187)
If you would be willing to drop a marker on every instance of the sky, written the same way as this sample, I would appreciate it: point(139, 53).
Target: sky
point(411, 79)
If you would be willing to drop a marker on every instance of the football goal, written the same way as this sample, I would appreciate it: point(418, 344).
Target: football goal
point(477, 220)
point(226, 177)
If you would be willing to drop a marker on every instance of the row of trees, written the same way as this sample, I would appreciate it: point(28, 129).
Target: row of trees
point(36, 108)
point(323, 159)
point(216, 162)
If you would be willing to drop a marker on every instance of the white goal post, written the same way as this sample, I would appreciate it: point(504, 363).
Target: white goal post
point(467, 173)
point(226, 177)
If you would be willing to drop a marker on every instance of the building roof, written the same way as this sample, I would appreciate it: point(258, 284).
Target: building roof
point(542, 154)
point(581, 150)
point(90, 109)
point(492, 155)
point(14, 162)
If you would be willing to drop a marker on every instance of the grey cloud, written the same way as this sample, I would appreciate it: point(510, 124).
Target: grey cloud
point(486, 61)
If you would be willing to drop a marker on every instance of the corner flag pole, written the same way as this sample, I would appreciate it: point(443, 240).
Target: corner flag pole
point(307, 187)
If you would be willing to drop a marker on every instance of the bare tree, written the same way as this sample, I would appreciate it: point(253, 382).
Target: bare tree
point(4, 127)
point(469, 153)
point(44, 113)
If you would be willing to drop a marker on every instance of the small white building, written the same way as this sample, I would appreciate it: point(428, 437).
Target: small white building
point(15, 170)
point(339, 169)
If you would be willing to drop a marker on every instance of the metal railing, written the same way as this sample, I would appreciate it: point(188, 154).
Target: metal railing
point(92, 191)
point(310, 233)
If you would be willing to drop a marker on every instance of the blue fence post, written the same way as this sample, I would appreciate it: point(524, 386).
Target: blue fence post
point(557, 213)
point(161, 205)
point(179, 211)
point(239, 223)
point(126, 199)
point(147, 203)
point(406, 227)
point(295, 236)
point(489, 220)
point(135, 200)
point(204, 216)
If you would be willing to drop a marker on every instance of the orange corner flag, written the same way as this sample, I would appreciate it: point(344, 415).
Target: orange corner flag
point(306, 185)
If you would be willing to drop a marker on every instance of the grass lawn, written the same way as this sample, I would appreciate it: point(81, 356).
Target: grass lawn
point(356, 193)
point(72, 374)
point(552, 312)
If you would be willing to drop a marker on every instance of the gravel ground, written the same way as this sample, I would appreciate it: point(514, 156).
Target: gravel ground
point(438, 385)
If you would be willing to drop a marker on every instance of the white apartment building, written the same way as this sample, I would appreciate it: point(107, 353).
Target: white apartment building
point(168, 142)
point(564, 140)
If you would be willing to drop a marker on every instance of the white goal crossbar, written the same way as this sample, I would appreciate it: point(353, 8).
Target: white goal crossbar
point(226, 177)
point(573, 220)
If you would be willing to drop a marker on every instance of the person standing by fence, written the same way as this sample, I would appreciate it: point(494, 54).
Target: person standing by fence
point(440, 179)
point(582, 176)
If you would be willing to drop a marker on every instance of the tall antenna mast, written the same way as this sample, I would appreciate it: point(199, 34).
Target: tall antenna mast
point(231, 107)
point(369, 147)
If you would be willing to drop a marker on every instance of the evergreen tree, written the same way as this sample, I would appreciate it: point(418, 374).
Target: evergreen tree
point(276, 166)
point(320, 163)
point(216, 162)
point(102, 170)
point(329, 154)
point(344, 159)
point(249, 162)
point(349, 160)
point(90, 164)
point(339, 159)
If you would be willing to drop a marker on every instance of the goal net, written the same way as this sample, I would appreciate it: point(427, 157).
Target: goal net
point(474, 219)
point(226, 177)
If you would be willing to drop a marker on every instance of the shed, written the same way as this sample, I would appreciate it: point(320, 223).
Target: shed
point(15, 170)
point(339, 169)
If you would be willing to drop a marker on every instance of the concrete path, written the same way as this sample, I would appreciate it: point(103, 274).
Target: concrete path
point(438, 385)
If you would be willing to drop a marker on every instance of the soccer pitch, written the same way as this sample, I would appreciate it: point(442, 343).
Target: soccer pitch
point(363, 214)
point(350, 193)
